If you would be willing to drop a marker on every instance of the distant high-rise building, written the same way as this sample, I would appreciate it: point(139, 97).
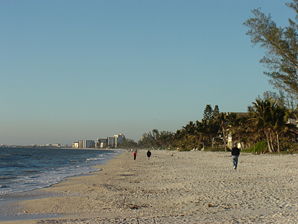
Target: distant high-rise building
point(89, 144)
point(119, 139)
point(86, 144)
point(101, 143)
point(75, 145)
point(81, 144)
point(111, 142)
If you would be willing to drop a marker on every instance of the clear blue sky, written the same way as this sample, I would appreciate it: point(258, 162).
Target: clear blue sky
point(86, 69)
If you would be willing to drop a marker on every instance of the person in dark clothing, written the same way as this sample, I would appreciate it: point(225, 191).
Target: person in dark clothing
point(148, 154)
point(235, 152)
point(134, 153)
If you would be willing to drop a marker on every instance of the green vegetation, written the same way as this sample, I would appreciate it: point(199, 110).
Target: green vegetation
point(258, 148)
point(128, 143)
point(281, 45)
point(264, 128)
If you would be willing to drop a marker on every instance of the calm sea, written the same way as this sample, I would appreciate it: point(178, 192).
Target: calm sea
point(25, 169)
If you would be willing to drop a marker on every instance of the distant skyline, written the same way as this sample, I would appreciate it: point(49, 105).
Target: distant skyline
point(87, 69)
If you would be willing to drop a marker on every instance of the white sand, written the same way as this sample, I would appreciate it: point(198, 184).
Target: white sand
point(178, 187)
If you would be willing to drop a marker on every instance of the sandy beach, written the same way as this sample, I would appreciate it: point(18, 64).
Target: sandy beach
point(176, 187)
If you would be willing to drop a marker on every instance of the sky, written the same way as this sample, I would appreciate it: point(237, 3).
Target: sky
point(73, 69)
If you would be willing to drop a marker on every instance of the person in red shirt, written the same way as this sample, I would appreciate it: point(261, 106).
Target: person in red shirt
point(134, 153)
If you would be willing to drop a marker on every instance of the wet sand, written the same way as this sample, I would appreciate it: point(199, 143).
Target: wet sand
point(176, 187)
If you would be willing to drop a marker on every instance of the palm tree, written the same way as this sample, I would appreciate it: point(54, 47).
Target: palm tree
point(269, 117)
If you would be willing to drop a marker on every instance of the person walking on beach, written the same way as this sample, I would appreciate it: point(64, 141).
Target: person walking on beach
point(235, 152)
point(148, 154)
point(134, 153)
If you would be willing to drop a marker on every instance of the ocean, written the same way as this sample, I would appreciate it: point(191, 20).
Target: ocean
point(26, 169)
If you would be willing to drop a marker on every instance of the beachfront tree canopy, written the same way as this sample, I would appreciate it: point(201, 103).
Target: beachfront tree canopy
point(264, 128)
point(282, 48)
point(270, 118)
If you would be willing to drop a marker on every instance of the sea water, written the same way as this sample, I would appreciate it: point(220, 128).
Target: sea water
point(25, 169)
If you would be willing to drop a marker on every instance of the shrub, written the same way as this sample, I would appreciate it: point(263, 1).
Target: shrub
point(258, 148)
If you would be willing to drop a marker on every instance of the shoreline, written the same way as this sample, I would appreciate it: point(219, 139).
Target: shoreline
point(11, 210)
point(38, 171)
point(184, 187)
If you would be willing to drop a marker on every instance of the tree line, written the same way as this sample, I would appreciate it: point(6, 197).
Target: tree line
point(267, 126)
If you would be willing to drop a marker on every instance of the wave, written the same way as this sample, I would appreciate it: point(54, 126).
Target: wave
point(36, 178)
